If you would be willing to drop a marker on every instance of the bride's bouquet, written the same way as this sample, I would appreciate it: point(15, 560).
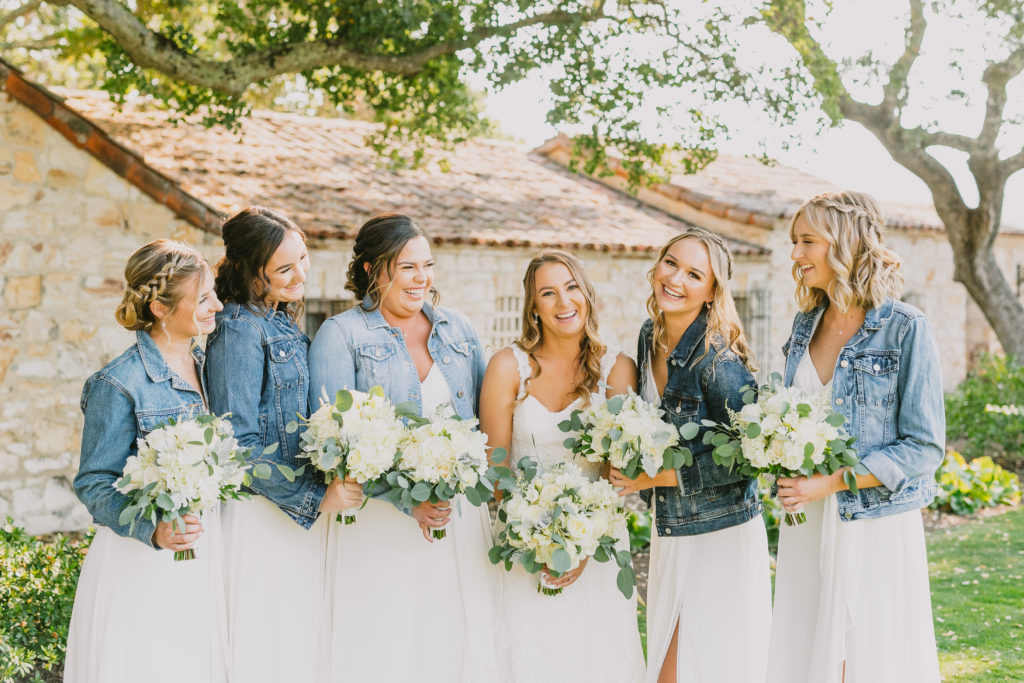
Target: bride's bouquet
point(628, 433)
point(558, 518)
point(783, 433)
point(182, 467)
point(439, 458)
point(357, 435)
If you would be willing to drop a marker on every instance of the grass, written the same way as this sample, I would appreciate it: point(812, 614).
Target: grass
point(977, 582)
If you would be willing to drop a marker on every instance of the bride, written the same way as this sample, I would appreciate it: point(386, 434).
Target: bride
point(588, 632)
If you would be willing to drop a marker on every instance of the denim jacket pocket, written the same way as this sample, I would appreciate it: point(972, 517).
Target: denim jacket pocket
point(148, 420)
point(373, 362)
point(876, 376)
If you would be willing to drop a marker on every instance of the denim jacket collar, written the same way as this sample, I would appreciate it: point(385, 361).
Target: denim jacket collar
point(157, 368)
point(875, 319)
point(375, 318)
point(691, 339)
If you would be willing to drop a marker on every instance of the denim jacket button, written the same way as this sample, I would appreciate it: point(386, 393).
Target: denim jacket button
point(876, 367)
point(668, 532)
point(661, 499)
point(461, 393)
point(839, 401)
point(843, 363)
point(447, 359)
point(281, 353)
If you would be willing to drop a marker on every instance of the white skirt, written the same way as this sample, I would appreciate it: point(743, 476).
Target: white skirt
point(588, 632)
point(274, 577)
point(139, 615)
point(854, 592)
point(402, 608)
point(717, 588)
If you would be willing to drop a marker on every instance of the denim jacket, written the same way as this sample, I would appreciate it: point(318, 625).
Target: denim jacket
point(700, 386)
point(888, 385)
point(123, 402)
point(357, 350)
point(256, 369)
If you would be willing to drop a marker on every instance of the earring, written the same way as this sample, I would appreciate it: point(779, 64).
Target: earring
point(707, 305)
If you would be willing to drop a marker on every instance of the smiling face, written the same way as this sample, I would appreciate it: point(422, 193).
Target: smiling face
point(683, 281)
point(559, 300)
point(286, 270)
point(810, 253)
point(409, 283)
point(196, 310)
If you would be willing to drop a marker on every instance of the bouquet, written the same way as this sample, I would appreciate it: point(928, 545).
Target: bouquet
point(181, 467)
point(441, 457)
point(357, 435)
point(556, 519)
point(628, 433)
point(783, 433)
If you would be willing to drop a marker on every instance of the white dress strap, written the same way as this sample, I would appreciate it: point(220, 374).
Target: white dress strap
point(523, 361)
point(611, 354)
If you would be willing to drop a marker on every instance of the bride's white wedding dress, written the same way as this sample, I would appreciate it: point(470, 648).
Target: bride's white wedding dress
point(589, 631)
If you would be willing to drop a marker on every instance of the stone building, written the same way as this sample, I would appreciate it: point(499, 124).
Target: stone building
point(83, 184)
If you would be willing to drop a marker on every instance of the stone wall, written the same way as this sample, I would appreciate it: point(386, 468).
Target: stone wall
point(67, 226)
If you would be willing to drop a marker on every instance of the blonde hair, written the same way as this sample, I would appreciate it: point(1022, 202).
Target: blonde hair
point(866, 271)
point(723, 318)
point(157, 271)
point(591, 348)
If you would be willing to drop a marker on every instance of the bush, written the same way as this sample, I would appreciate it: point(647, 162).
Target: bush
point(965, 488)
point(639, 525)
point(995, 380)
point(37, 591)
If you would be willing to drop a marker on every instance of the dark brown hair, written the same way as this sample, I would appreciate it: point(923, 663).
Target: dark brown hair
point(379, 242)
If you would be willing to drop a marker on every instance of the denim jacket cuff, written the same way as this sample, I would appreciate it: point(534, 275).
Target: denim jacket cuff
point(886, 471)
point(144, 531)
point(314, 496)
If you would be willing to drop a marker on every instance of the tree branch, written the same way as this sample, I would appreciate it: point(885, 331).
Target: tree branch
point(24, 10)
point(149, 49)
point(996, 76)
point(895, 90)
point(1013, 164)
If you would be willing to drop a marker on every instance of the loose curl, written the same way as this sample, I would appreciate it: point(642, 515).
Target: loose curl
point(723, 319)
point(866, 271)
point(532, 335)
point(158, 271)
point(251, 237)
point(379, 242)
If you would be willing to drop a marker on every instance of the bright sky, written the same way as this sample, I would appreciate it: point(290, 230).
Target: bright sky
point(849, 155)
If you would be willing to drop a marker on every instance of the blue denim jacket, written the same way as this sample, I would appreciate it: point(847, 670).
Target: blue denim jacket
point(888, 385)
point(123, 402)
point(709, 497)
point(357, 349)
point(256, 369)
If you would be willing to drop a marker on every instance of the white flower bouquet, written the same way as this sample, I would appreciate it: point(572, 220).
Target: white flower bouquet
point(783, 433)
point(557, 518)
point(182, 467)
point(357, 435)
point(439, 458)
point(628, 433)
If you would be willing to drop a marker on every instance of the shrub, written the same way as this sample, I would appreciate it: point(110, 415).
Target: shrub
point(965, 488)
point(639, 525)
point(994, 380)
point(37, 591)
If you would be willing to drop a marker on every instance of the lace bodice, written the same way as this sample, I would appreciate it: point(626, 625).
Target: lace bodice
point(535, 431)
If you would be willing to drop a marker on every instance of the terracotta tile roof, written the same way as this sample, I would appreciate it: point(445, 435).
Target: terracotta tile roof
point(320, 172)
point(747, 191)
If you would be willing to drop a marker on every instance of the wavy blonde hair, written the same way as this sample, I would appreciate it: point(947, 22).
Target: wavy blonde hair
point(866, 270)
point(723, 319)
point(532, 335)
point(158, 271)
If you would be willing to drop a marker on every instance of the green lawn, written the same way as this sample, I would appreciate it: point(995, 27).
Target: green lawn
point(977, 579)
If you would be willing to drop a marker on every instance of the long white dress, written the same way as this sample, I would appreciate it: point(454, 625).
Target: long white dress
point(717, 588)
point(851, 591)
point(141, 616)
point(402, 608)
point(589, 631)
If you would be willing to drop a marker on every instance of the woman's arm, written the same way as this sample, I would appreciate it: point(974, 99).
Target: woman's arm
point(331, 366)
point(497, 400)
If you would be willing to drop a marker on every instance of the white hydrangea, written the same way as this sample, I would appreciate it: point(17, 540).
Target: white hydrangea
point(445, 449)
point(635, 431)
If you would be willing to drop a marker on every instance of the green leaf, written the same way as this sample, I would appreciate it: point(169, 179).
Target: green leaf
point(626, 580)
point(570, 443)
point(689, 430)
point(614, 404)
point(420, 492)
point(835, 419)
point(272, 448)
point(343, 400)
point(498, 455)
point(753, 430)
point(291, 427)
point(494, 554)
point(565, 425)
point(164, 502)
point(262, 471)
point(128, 514)
point(560, 561)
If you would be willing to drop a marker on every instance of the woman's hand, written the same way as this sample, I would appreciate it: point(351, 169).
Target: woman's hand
point(796, 491)
point(565, 579)
point(169, 536)
point(342, 494)
point(432, 516)
point(642, 481)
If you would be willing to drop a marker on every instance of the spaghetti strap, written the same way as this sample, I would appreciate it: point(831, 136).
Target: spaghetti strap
point(611, 354)
point(523, 361)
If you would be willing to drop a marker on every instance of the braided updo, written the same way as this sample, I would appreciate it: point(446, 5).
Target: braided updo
point(157, 271)
point(378, 244)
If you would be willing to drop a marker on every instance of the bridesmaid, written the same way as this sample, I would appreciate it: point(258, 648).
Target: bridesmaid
point(257, 372)
point(405, 607)
point(709, 597)
point(852, 601)
point(135, 605)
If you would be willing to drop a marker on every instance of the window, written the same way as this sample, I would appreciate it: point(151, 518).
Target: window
point(505, 320)
point(319, 310)
point(754, 307)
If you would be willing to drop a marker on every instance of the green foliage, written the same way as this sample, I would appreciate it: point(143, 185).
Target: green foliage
point(965, 488)
point(37, 592)
point(772, 511)
point(995, 380)
point(639, 525)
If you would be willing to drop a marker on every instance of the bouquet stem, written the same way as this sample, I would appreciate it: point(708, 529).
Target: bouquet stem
point(346, 518)
point(795, 518)
point(548, 590)
point(180, 555)
point(438, 534)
